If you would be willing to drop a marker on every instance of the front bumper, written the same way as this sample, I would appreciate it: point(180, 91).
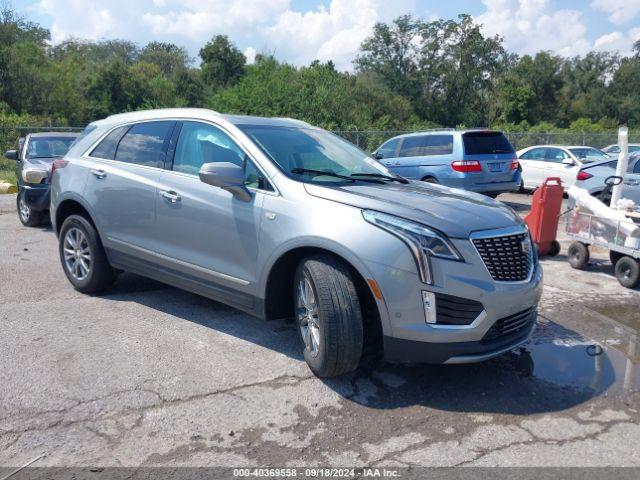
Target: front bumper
point(409, 338)
point(37, 197)
point(411, 351)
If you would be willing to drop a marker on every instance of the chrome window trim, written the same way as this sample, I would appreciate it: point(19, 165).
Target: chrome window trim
point(505, 232)
point(233, 137)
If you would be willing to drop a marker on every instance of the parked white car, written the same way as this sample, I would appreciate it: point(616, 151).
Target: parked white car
point(543, 161)
point(614, 150)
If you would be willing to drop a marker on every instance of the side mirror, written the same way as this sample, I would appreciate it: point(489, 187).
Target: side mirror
point(568, 161)
point(377, 155)
point(227, 176)
point(11, 154)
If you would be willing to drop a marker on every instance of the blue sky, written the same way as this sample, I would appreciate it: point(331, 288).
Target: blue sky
point(299, 31)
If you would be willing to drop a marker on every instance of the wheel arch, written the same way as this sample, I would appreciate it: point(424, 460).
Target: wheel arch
point(278, 290)
point(71, 206)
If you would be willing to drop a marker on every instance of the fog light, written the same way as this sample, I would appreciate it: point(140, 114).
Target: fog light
point(429, 304)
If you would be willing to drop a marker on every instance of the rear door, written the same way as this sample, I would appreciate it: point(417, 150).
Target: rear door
point(204, 234)
point(534, 168)
point(495, 154)
point(124, 170)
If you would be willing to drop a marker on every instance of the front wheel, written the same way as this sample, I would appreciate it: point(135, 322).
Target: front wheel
point(83, 258)
point(328, 315)
point(27, 215)
point(578, 254)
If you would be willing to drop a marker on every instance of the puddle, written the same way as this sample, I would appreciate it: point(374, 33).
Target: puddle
point(565, 358)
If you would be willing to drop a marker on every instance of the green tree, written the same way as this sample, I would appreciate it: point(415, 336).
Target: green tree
point(168, 57)
point(222, 63)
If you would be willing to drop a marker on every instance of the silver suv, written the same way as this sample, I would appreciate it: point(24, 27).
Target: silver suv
point(284, 220)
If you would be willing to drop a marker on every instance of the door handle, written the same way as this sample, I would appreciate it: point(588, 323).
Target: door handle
point(98, 173)
point(170, 195)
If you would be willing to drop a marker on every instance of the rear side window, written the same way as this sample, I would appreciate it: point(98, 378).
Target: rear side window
point(145, 144)
point(107, 147)
point(427, 145)
point(636, 167)
point(535, 154)
point(486, 142)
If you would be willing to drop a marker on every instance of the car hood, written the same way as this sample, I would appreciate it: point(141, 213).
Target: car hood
point(454, 212)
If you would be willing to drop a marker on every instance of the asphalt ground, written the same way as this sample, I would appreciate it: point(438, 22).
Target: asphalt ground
point(149, 375)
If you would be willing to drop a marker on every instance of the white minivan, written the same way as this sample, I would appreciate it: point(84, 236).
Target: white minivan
point(543, 161)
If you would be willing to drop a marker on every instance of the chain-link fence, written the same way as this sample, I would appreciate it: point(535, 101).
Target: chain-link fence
point(369, 140)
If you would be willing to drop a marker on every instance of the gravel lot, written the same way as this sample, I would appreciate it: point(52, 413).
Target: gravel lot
point(151, 375)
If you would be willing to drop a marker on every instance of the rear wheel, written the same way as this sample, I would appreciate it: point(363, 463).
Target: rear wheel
point(604, 197)
point(627, 272)
point(329, 315)
point(578, 255)
point(430, 180)
point(83, 258)
point(27, 215)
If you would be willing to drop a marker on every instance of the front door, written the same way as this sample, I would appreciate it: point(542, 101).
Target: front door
point(204, 233)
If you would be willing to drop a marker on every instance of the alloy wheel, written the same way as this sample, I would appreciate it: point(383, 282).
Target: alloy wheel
point(307, 309)
point(24, 210)
point(77, 255)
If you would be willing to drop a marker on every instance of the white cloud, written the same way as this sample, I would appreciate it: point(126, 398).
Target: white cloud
point(528, 26)
point(333, 33)
point(620, 11)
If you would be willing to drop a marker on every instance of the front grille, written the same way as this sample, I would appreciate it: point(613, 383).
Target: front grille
point(452, 310)
point(505, 258)
point(511, 325)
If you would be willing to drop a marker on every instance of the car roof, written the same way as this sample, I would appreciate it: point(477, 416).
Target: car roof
point(436, 131)
point(197, 113)
point(53, 134)
point(559, 146)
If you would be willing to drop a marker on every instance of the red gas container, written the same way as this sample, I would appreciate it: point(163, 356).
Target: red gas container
point(544, 215)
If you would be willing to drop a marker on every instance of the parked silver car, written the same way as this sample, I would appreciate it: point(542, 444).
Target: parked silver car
point(592, 178)
point(284, 220)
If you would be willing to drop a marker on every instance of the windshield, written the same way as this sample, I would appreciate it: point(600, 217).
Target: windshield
point(588, 154)
point(314, 155)
point(47, 147)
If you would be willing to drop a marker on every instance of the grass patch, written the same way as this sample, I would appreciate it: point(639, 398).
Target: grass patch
point(8, 171)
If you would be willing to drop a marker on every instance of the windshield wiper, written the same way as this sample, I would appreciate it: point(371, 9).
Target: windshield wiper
point(321, 172)
point(381, 176)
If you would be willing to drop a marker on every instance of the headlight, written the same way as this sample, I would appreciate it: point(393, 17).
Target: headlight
point(421, 240)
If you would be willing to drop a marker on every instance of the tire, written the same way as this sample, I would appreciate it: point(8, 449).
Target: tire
point(332, 337)
point(554, 249)
point(627, 272)
point(430, 180)
point(521, 189)
point(27, 215)
point(578, 255)
point(614, 257)
point(89, 256)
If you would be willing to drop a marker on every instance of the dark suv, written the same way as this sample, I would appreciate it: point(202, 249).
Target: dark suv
point(34, 155)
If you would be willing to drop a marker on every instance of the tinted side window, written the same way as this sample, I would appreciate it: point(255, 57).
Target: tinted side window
point(254, 178)
point(555, 155)
point(427, 145)
point(201, 143)
point(636, 167)
point(486, 142)
point(107, 147)
point(388, 150)
point(144, 144)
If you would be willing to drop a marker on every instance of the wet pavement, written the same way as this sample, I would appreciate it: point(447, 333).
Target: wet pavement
point(151, 375)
